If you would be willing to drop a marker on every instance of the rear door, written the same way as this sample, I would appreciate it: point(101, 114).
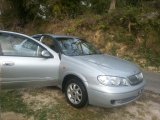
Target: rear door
point(22, 64)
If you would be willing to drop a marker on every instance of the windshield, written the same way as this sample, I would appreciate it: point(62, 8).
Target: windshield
point(75, 47)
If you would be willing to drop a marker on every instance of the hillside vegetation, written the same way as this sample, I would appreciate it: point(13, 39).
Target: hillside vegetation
point(131, 30)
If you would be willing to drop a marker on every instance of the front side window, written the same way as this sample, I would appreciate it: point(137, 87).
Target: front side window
point(16, 45)
point(75, 47)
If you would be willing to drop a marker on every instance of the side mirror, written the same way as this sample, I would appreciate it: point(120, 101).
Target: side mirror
point(45, 54)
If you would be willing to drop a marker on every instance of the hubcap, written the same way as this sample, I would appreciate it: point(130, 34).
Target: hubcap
point(74, 93)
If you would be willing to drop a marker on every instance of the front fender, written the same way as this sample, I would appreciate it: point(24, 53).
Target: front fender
point(79, 75)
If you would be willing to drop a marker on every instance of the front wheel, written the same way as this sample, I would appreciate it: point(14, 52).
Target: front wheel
point(76, 93)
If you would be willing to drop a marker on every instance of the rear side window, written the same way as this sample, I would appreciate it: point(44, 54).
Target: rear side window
point(50, 42)
point(37, 38)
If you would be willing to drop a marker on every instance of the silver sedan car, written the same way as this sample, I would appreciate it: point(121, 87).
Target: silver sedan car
point(83, 73)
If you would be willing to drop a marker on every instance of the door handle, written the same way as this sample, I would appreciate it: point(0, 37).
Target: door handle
point(8, 63)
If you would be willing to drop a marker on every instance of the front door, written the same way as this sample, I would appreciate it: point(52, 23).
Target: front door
point(22, 64)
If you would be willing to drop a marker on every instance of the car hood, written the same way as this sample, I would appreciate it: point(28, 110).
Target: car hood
point(110, 64)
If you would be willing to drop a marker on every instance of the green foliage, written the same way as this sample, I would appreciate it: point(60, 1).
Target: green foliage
point(131, 3)
point(70, 31)
point(99, 6)
point(26, 11)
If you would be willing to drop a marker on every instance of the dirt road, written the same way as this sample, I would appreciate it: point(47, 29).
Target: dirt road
point(152, 81)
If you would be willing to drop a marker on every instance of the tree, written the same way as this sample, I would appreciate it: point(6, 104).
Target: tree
point(112, 6)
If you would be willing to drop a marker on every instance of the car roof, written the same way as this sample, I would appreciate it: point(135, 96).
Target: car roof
point(54, 36)
point(15, 33)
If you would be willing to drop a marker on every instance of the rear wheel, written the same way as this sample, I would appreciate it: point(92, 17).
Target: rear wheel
point(76, 93)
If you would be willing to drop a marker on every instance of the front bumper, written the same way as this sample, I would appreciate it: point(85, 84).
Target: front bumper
point(114, 97)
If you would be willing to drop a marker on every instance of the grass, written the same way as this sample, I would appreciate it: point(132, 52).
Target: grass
point(11, 101)
point(56, 107)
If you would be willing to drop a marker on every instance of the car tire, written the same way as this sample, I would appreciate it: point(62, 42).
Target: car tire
point(76, 93)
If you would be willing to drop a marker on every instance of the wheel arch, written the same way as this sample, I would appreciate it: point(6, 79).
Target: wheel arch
point(68, 76)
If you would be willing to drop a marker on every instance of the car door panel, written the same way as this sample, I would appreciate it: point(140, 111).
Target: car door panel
point(32, 70)
point(25, 68)
point(19, 70)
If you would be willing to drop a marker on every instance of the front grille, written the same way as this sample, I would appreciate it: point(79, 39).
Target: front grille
point(135, 79)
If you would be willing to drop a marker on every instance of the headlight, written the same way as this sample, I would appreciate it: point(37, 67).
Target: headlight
point(139, 76)
point(112, 81)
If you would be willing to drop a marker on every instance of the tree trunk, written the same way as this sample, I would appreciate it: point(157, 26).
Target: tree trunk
point(112, 6)
point(1, 6)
